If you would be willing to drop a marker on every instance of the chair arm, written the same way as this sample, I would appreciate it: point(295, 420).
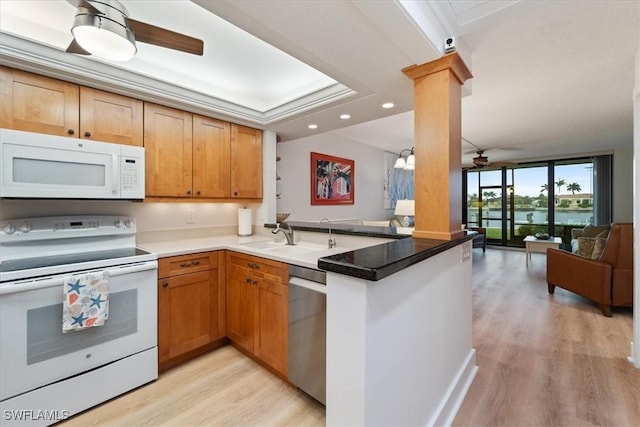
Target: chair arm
point(584, 276)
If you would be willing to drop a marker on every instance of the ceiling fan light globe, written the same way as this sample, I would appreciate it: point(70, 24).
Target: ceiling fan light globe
point(104, 37)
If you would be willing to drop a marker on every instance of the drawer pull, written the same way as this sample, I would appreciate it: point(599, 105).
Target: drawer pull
point(165, 284)
point(254, 283)
point(253, 265)
point(186, 264)
point(196, 262)
point(248, 280)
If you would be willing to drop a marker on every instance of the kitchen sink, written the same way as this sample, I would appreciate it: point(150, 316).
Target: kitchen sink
point(283, 248)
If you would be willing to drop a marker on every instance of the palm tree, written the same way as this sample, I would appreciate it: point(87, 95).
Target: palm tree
point(574, 187)
point(560, 183)
point(489, 195)
point(545, 187)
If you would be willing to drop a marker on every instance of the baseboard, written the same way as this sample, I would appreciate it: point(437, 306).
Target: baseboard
point(448, 408)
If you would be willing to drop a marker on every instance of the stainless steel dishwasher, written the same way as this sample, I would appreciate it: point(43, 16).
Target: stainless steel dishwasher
point(308, 330)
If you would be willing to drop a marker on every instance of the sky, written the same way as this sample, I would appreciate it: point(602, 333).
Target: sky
point(528, 181)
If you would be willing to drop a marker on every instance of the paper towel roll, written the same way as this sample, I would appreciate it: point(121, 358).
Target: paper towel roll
point(244, 222)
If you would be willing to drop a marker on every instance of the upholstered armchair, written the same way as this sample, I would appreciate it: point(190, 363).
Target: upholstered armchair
point(607, 280)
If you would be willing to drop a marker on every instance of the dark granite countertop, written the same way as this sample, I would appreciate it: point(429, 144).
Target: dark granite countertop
point(377, 262)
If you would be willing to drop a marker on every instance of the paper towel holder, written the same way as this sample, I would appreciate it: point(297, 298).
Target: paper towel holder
point(244, 222)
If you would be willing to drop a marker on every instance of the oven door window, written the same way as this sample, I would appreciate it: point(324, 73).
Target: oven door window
point(45, 339)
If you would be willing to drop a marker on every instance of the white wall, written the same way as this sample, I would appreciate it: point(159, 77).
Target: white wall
point(636, 216)
point(295, 183)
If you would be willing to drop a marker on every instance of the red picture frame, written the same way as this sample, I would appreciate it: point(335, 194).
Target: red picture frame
point(332, 180)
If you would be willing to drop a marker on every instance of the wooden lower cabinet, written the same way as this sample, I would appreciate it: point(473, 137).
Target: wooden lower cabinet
point(190, 305)
point(257, 308)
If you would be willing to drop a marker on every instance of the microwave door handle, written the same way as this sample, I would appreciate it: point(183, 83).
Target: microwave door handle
point(115, 177)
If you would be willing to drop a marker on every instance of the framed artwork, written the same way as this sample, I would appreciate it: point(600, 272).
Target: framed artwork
point(332, 180)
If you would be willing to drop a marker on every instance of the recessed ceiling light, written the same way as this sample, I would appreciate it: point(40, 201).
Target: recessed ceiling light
point(388, 105)
point(345, 116)
point(313, 126)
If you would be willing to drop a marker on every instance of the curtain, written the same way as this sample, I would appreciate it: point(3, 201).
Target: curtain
point(602, 189)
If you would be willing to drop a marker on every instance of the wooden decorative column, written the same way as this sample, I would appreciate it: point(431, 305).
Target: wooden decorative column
point(438, 172)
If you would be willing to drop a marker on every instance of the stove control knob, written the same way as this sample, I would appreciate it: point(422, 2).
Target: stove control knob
point(118, 223)
point(128, 223)
point(9, 229)
point(25, 227)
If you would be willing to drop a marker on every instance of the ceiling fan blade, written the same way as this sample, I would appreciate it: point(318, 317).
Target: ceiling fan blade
point(147, 33)
point(74, 47)
point(85, 4)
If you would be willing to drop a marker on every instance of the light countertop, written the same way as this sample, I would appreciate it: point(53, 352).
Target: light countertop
point(184, 246)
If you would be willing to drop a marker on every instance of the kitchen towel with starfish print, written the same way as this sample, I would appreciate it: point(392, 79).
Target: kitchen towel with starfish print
point(85, 301)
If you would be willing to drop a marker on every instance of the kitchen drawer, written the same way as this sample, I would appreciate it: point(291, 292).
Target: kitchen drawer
point(259, 267)
point(183, 264)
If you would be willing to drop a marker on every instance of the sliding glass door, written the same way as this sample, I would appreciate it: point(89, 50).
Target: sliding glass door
point(543, 197)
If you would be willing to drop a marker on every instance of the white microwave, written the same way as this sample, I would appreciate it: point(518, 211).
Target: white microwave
point(44, 166)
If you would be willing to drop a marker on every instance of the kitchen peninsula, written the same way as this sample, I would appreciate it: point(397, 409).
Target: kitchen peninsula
point(399, 344)
point(399, 348)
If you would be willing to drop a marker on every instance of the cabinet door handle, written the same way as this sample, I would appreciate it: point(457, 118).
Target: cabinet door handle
point(87, 134)
point(71, 131)
point(248, 280)
point(165, 284)
point(189, 192)
point(253, 265)
point(198, 192)
point(255, 282)
point(235, 193)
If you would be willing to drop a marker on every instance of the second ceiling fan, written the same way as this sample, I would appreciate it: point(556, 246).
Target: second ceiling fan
point(482, 161)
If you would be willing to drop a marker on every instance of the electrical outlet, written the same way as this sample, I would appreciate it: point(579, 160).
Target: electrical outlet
point(190, 216)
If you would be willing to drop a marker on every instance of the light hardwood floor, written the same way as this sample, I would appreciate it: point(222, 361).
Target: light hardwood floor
point(544, 360)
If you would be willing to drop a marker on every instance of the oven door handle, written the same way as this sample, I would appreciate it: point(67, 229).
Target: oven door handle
point(51, 281)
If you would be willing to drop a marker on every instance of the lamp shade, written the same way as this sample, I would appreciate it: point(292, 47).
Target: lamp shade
point(399, 163)
point(405, 207)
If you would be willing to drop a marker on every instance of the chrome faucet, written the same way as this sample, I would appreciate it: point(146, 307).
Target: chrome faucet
point(288, 233)
point(332, 241)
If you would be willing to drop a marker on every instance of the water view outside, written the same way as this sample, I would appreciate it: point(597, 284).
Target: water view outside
point(528, 206)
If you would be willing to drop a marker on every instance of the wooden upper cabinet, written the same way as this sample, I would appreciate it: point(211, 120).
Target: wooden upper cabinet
point(35, 103)
point(109, 117)
point(211, 151)
point(168, 151)
point(246, 162)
